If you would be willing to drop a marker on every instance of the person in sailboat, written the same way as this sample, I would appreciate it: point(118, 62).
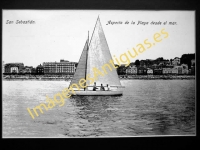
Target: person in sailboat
point(108, 87)
point(102, 88)
point(94, 86)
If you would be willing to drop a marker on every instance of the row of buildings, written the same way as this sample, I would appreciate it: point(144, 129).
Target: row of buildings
point(155, 70)
point(158, 66)
point(63, 67)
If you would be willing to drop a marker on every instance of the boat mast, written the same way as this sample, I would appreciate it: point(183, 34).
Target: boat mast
point(86, 59)
point(88, 43)
point(88, 49)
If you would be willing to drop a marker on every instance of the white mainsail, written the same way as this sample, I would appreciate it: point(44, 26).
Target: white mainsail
point(98, 55)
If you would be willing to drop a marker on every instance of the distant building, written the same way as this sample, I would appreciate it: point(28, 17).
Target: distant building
point(13, 68)
point(157, 71)
point(33, 71)
point(167, 71)
point(155, 66)
point(142, 71)
point(164, 63)
point(62, 67)
point(131, 70)
point(27, 69)
point(149, 71)
point(40, 70)
point(180, 69)
point(185, 69)
point(175, 70)
point(176, 61)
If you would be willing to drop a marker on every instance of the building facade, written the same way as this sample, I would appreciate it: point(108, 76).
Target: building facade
point(180, 70)
point(33, 71)
point(149, 71)
point(175, 70)
point(13, 68)
point(142, 71)
point(167, 70)
point(40, 70)
point(157, 71)
point(62, 67)
point(176, 61)
point(131, 70)
point(27, 69)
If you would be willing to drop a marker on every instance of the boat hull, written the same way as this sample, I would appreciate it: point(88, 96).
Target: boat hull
point(98, 93)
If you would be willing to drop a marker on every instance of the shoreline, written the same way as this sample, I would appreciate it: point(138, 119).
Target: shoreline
point(158, 77)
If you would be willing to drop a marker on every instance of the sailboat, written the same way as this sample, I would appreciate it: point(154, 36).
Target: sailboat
point(96, 53)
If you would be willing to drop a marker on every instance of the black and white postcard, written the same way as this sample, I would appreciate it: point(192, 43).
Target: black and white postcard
point(98, 73)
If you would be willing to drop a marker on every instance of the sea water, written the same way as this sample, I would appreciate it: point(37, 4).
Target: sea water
point(147, 108)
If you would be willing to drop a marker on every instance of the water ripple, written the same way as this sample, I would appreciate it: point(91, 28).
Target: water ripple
point(147, 107)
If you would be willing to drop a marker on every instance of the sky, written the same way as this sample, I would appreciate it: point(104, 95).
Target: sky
point(61, 34)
